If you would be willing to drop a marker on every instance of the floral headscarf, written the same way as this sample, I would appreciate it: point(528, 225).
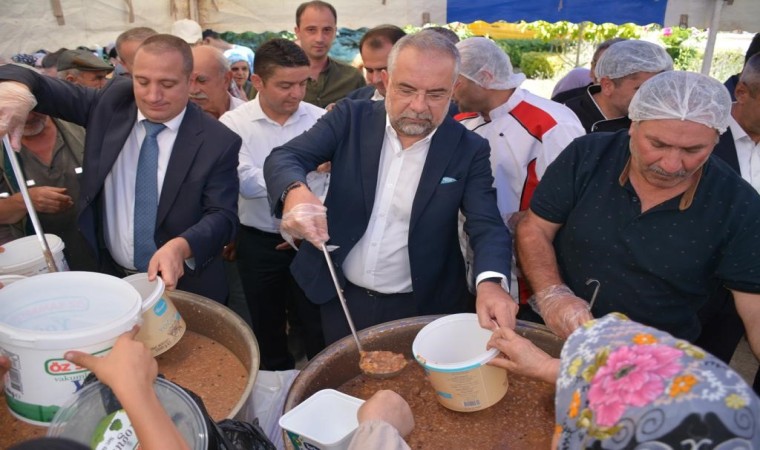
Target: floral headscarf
point(623, 385)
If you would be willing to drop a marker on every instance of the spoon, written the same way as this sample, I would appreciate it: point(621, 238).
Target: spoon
point(377, 364)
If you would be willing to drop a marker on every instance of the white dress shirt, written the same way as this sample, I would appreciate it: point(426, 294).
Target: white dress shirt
point(119, 187)
point(260, 135)
point(380, 260)
point(748, 153)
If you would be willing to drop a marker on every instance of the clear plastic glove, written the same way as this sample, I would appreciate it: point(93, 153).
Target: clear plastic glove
point(562, 311)
point(305, 221)
point(15, 103)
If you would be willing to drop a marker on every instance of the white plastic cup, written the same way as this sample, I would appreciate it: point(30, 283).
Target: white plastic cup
point(44, 316)
point(326, 420)
point(24, 256)
point(162, 325)
point(80, 417)
point(452, 350)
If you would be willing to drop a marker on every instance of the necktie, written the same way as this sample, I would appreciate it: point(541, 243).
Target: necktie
point(146, 197)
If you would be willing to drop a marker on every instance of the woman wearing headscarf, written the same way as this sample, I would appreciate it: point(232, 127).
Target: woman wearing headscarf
point(624, 385)
point(241, 74)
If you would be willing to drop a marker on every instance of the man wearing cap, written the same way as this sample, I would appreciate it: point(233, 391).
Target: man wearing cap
point(621, 69)
point(374, 48)
point(331, 80)
point(526, 132)
point(83, 68)
point(648, 217)
point(401, 172)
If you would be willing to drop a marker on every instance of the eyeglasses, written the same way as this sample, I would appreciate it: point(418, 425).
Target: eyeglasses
point(410, 94)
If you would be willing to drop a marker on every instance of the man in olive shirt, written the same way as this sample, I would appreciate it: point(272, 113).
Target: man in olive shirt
point(330, 80)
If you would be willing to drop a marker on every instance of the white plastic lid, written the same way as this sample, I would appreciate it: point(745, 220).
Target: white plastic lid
point(65, 310)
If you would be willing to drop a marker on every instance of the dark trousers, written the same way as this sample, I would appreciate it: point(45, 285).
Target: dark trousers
point(367, 309)
point(270, 290)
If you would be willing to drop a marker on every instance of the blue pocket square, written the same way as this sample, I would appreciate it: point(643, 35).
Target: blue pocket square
point(447, 180)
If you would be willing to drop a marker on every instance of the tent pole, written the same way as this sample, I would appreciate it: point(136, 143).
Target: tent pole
point(711, 37)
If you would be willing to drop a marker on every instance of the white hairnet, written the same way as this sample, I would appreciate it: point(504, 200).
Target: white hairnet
point(486, 64)
point(685, 96)
point(626, 57)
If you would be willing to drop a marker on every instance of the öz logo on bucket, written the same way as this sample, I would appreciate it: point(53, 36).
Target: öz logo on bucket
point(83, 311)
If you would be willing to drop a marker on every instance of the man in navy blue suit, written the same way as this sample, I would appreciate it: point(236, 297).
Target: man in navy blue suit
point(401, 172)
point(196, 166)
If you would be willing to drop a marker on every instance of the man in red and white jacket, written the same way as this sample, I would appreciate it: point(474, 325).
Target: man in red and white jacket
point(526, 132)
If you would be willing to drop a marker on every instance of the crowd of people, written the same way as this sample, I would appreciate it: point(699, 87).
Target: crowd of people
point(439, 184)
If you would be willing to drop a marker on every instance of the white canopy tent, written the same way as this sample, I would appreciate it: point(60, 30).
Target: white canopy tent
point(26, 26)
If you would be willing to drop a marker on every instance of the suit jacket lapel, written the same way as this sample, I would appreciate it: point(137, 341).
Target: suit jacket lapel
point(120, 126)
point(184, 152)
point(442, 148)
point(369, 155)
point(726, 150)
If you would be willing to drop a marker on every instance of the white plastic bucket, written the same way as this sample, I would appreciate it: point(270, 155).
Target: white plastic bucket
point(85, 417)
point(326, 420)
point(8, 279)
point(43, 317)
point(24, 256)
point(162, 325)
point(452, 350)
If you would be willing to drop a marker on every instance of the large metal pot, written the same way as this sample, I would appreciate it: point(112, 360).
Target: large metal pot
point(216, 321)
point(339, 362)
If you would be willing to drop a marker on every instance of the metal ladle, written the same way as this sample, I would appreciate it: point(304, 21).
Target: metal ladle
point(46, 253)
point(364, 356)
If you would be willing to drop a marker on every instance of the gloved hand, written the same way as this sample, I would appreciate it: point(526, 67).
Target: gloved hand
point(15, 103)
point(562, 311)
point(305, 221)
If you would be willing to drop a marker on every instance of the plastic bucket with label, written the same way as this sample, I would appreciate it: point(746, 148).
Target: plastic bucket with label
point(44, 316)
point(24, 256)
point(452, 350)
point(94, 418)
point(162, 325)
point(326, 420)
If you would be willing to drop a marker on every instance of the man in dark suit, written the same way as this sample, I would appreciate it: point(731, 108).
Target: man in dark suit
point(194, 212)
point(401, 171)
point(739, 146)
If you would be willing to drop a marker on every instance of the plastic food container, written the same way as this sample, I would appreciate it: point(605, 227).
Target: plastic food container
point(94, 418)
point(24, 256)
point(162, 325)
point(44, 316)
point(452, 350)
point(326, 420)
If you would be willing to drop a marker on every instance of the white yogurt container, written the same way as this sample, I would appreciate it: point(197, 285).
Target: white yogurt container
point(44, 316)
point(24, 256)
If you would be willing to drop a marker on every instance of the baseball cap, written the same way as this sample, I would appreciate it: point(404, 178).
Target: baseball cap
point(187, 30)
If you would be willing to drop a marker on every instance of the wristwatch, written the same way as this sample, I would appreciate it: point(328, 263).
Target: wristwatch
point(291, 186)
